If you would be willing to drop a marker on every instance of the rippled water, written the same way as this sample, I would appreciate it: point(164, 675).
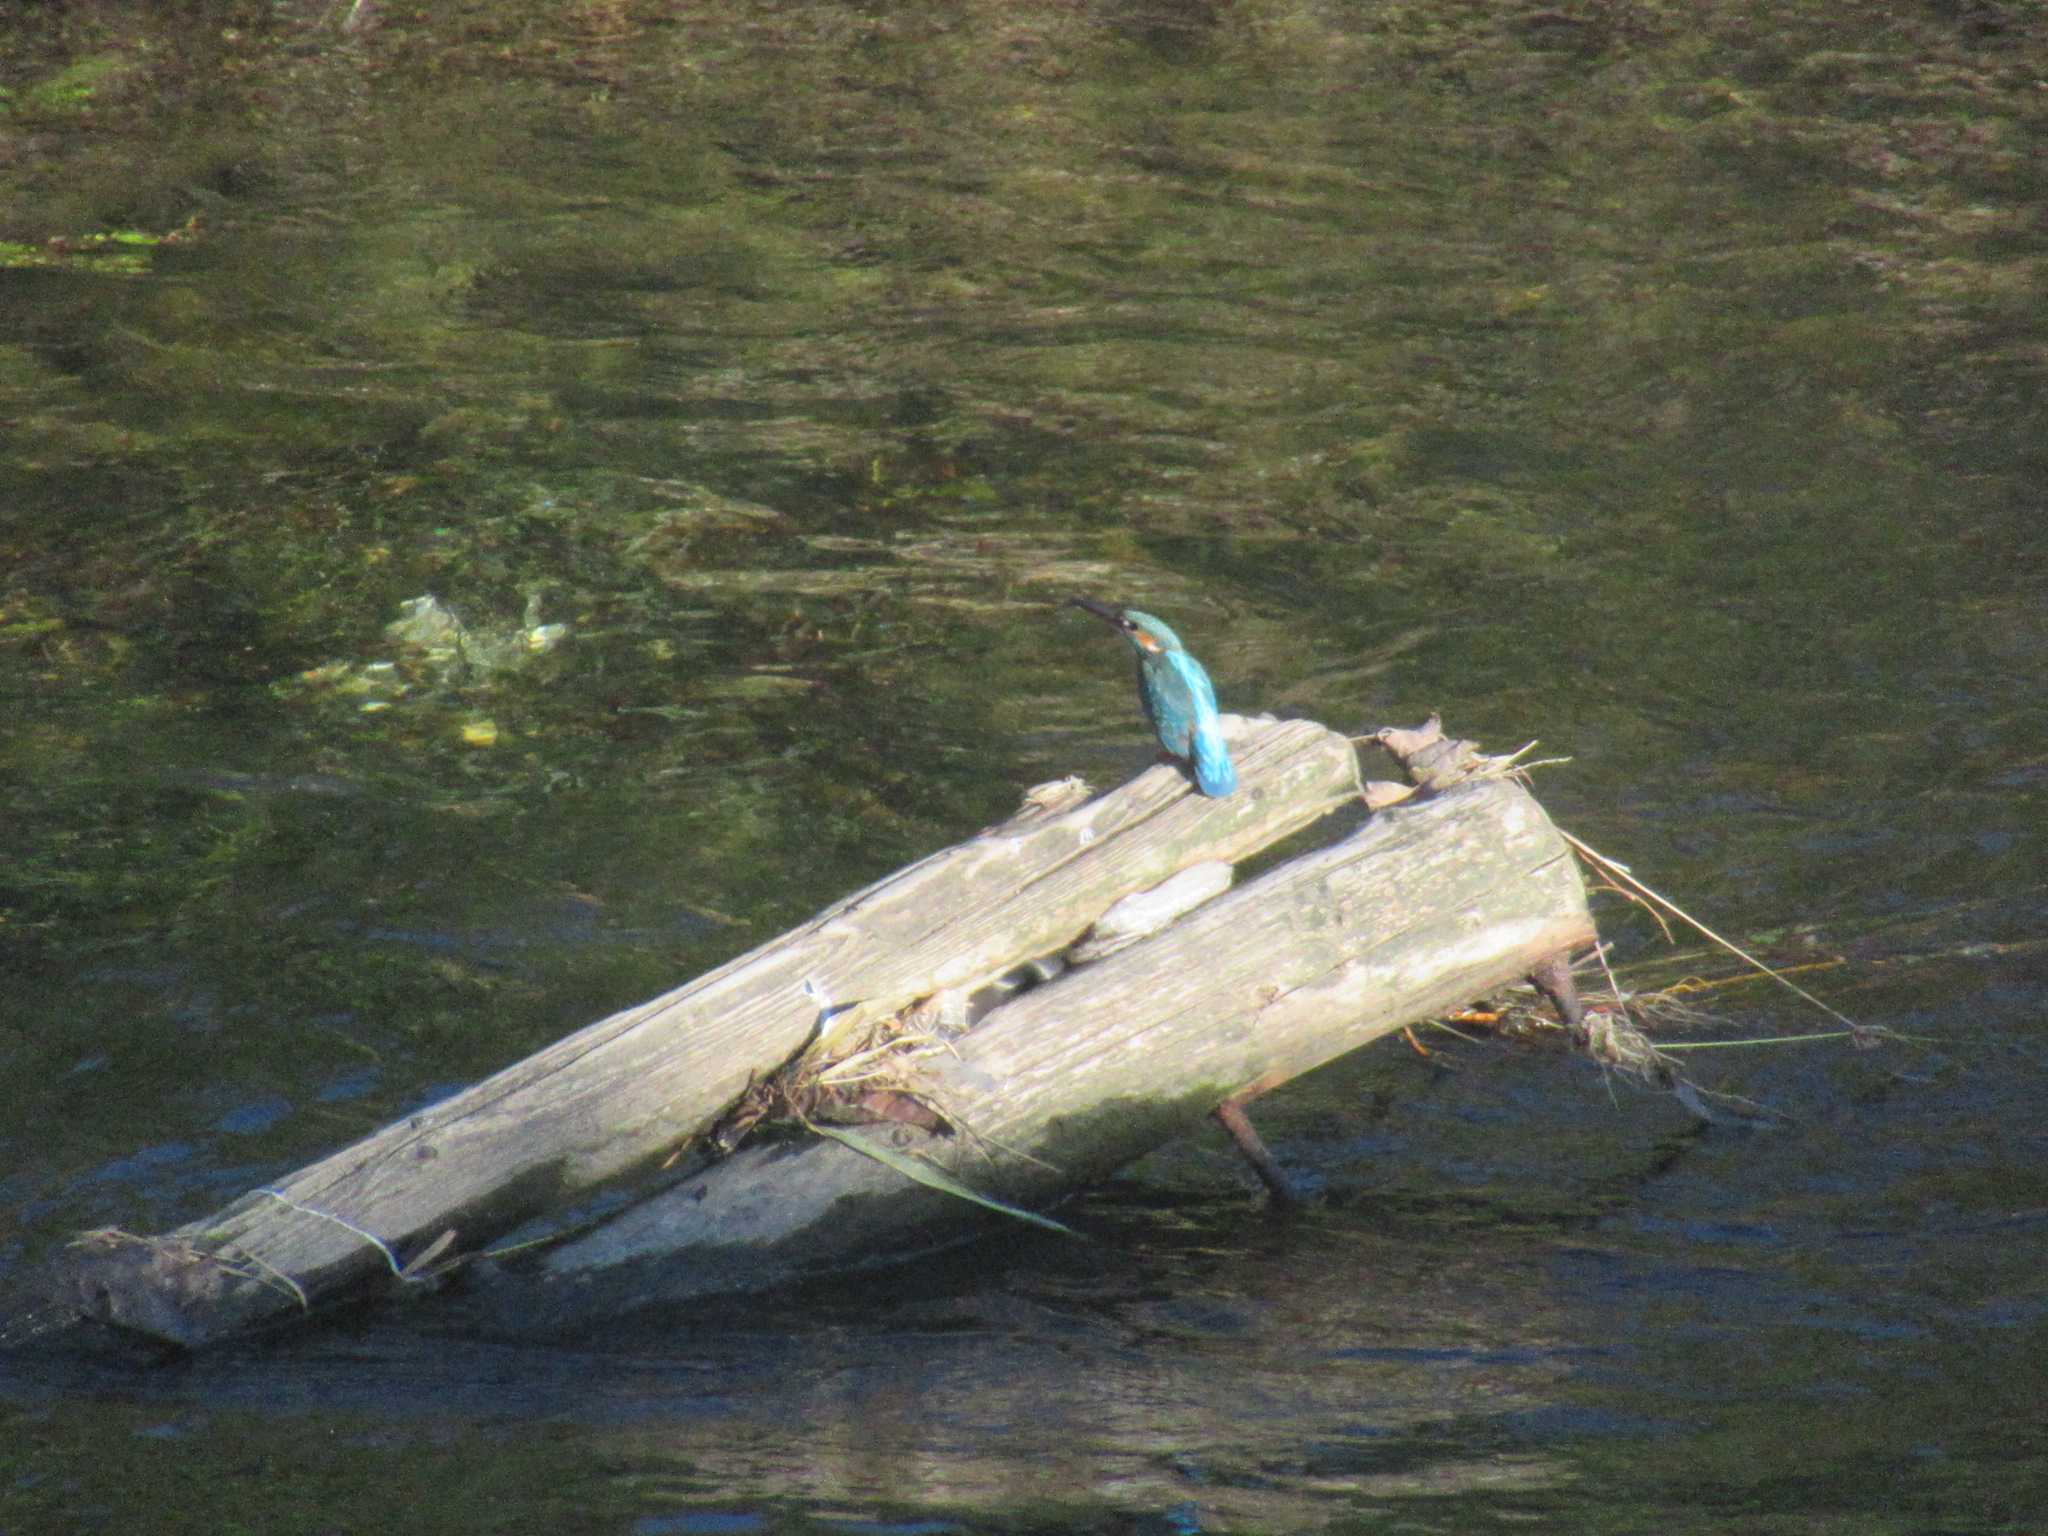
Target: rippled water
point(750, 382)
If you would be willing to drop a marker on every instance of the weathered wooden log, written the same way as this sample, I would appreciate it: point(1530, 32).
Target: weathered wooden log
point(1424, 908)
point(618, 1096)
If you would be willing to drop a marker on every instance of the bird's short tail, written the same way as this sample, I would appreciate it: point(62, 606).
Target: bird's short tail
point(1215, 774)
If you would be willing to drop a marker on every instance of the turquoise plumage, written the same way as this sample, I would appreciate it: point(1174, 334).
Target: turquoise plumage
point(1179, 699)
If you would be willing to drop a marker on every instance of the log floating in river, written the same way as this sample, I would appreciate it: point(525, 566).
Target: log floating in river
point(1421, 909)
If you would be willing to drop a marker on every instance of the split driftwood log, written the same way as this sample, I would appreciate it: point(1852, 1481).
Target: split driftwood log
point(1416, 913)
point(1421, 909)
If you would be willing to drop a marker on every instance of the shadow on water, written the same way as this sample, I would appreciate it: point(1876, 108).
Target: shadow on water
point(1514, 1297)
point(746, 385)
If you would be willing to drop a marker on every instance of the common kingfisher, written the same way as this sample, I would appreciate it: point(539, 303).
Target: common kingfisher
point(1179, 699)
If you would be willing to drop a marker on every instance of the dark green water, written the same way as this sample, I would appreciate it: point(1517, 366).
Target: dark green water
point(1665, 382)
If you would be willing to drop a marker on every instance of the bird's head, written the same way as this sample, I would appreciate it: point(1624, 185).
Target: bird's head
point(1151, 636)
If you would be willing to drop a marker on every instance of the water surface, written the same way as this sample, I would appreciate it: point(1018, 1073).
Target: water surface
point(1662, 383)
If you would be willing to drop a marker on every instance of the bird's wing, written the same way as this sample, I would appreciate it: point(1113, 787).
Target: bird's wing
point(1199, 686)
point(1200, 731)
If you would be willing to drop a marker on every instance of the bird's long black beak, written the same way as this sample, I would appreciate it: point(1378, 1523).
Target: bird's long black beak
point(1102, 611)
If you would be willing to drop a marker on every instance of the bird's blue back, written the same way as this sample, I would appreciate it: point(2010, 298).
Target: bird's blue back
point(1180, 701)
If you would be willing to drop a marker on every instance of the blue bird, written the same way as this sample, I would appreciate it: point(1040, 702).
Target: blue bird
point(1179, 699)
